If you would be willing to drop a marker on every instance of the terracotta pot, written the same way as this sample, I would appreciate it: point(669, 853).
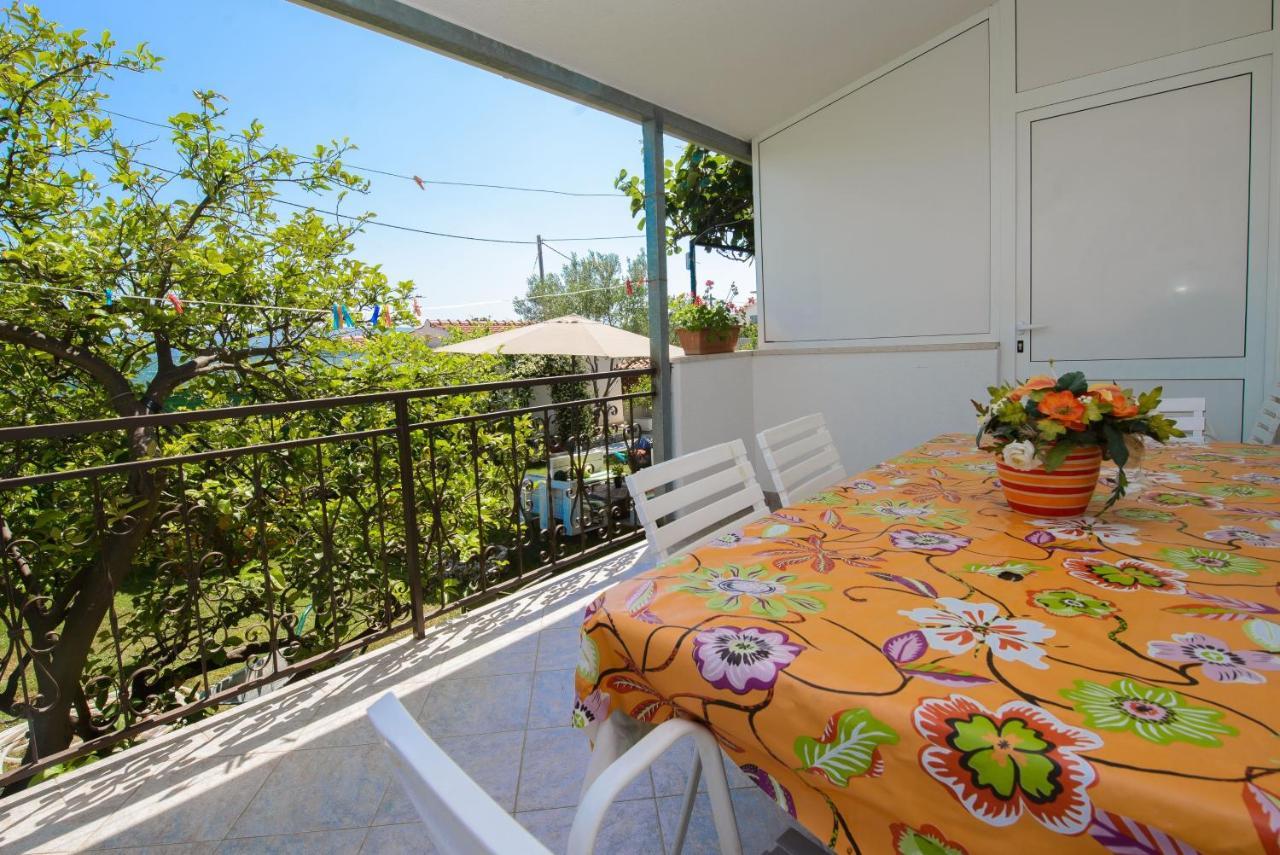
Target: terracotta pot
point(1064, 492)
point(701, 342)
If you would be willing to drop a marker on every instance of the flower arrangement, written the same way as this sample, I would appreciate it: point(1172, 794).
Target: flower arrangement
point(707, 313)
point(1039, 423)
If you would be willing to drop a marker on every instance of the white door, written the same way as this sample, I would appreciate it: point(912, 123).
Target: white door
point(1142, 238)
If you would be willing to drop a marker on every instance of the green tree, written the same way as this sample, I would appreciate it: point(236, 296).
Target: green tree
point(83, 213)
point(709, 196)
point(593, 286)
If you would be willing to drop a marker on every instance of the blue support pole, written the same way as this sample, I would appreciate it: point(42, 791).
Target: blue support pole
point(655, 232)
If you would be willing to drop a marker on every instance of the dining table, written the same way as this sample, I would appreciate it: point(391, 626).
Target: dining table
point(905, 665)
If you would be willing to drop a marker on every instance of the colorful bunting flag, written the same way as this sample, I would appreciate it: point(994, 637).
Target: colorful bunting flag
point(173, 299)
point(422, 185)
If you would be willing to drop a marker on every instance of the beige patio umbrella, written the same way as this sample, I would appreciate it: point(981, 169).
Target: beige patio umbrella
point(571, 335)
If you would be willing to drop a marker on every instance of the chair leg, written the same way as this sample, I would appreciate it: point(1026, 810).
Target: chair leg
point(718, 792)
point(611, 782)
point(686, 809)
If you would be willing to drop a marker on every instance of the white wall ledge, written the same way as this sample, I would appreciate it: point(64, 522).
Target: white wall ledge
point(847, 348)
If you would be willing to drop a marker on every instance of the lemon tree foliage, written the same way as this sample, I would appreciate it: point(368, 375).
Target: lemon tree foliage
point(137, 589)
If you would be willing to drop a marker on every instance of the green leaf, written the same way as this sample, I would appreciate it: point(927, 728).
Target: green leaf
point(1264, 633)
point(847, 747)
point(1057, 453)
point(1074, 382)
point(1116, 448)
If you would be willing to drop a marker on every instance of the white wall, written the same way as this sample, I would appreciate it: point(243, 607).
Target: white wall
point(877, 402)
point(874, 210)
point(895, 212)
point(1060, 41)
point(713, 401)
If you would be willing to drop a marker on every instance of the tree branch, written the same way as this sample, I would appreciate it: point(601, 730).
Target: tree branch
point(115, 384)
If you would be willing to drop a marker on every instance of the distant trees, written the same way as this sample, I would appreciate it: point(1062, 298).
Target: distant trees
point(593, 286)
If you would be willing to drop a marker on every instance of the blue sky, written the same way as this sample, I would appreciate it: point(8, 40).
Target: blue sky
point(310, 78)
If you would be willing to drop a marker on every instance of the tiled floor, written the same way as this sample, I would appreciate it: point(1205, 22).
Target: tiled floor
point(300, 770)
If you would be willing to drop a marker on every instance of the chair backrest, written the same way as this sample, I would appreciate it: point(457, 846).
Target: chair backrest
point(1188, 414)
point(801, 458)
point(1264, 429)
point(696, 497)
point(459, 816)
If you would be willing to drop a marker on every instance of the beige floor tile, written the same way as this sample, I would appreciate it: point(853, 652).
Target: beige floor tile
point(341, 719)
point(491, 759)
point(196, 799)
point(671, 772)
point(514, 658)
point(477, 705)
point(558, 648)
point(553, 767)
point(552, 701)
point(347, 841)
point(318, 789)
point(206, 848)
point(760, 823)
point(403, 839)
point(629, 828)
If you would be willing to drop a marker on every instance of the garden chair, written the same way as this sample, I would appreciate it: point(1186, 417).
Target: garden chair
point(1190, 415)
point(1264, 429)
point(801, 458)
point(461, 817)
point(696, 497)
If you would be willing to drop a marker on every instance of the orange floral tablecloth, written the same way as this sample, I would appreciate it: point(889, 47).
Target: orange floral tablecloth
point(906, 665)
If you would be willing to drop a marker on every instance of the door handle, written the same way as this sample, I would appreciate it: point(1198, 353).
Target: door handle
point(1029, 327)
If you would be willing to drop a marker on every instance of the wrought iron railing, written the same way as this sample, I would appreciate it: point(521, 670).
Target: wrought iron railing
point(210, 555)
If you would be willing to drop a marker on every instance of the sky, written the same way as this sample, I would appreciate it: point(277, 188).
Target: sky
point(311, 78)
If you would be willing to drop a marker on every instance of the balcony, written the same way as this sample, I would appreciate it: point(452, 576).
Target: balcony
point(299, 770)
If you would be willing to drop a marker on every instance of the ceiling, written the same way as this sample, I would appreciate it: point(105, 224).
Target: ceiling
point(738, 66)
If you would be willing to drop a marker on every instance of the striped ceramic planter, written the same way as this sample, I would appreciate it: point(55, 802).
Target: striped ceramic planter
point(1064, 492)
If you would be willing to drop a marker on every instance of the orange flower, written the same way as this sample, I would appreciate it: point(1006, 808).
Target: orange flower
point(1121, 406)
point(1035, 384)
point(1063, 407)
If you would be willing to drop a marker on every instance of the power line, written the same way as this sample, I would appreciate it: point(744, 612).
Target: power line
point(421, 231)
point(368, 222)
point(414, 178)
point(115, 295)
point(414, 229)
point(557, 252)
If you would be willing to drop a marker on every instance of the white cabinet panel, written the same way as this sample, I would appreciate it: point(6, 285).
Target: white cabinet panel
point(875, 210)
point(1059, 40)
point(1139, 215)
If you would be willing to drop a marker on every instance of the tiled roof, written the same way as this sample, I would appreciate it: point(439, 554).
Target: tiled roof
point(467, 325)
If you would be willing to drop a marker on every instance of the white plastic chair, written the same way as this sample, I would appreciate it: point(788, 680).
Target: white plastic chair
point(1264, 429)
point(461, 817)
point(696, 497)
point(1189, 414)
point(801, 458)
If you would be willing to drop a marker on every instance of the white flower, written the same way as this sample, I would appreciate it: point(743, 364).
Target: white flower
point(956, 626)
point(1079, 528)
point(1020, 455)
